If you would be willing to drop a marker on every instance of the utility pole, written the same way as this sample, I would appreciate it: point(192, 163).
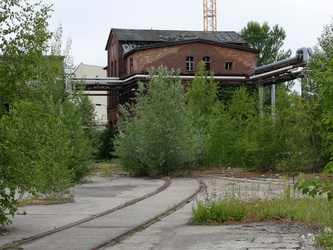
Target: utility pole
point(209, 15)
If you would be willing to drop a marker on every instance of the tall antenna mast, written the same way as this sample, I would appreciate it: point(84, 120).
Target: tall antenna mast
point(209, 15)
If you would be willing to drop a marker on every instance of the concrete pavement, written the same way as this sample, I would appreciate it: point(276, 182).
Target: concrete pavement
point(92, 199)
point(174, 231)
point(177, 232)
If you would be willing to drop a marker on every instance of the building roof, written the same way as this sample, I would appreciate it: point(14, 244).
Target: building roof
point(160, 36)
point(132, 49)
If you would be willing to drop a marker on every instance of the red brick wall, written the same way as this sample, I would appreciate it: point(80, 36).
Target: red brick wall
point(116, 62)
point(174, 57)
point(244, 62)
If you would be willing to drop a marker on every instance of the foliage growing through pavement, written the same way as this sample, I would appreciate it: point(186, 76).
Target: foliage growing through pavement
point(220, 207)
point(45, 125)
point(104, 146)
point(156, 132)
point(318, 94)
point(326, 240)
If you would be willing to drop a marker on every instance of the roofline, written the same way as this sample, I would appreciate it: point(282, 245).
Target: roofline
point(195, 40)
point(113, 29)
point(109, 37)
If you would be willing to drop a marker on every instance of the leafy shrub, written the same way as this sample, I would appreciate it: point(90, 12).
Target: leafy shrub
point(104, 144)
point(156, 135)
point(313, 186)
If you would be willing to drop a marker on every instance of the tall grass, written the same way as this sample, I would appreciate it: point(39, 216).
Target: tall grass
point(215, 207)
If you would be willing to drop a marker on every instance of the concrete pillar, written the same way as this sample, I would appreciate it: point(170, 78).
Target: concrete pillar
point(273, 101)
point(261, 99)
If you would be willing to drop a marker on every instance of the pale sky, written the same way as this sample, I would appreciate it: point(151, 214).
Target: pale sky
point(88, 22)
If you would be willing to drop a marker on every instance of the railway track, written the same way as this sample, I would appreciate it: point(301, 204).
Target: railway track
point(108, 227)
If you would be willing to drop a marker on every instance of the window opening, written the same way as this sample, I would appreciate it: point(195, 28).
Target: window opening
point(190, 63)
point(131, 66)
point(207, 62)
point(228, 65)
point(114, 49)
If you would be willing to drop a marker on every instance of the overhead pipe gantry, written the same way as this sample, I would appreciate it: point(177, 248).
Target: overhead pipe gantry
point(271, 74)
point(281, 71)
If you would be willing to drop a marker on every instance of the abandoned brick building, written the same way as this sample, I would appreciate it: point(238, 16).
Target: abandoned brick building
point(132, 52)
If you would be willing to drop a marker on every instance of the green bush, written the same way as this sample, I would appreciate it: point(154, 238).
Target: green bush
point(104, 146)
point(156, 135)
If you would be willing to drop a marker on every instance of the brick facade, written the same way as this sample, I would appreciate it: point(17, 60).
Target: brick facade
point(174, 57)
point(135, 54)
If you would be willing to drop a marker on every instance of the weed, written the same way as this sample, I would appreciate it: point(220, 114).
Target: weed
point(174, 207)
point(326, 239)
point(157, 218)
point(10, 247)
point(109, 169)
point(217, 207)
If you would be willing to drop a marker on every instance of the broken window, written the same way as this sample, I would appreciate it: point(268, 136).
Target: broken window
point(131, 66)
point(190, 63)
point(228, 65)
point(206, 60)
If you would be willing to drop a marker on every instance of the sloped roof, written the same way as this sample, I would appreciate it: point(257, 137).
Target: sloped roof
point(195, 40)
point(140, 35)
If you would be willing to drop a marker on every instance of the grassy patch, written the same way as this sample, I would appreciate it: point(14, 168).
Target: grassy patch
point(45, 201)
point(10, 246)
point(109, 169)
point(217, 208)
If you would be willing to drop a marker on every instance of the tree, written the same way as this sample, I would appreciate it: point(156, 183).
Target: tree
point(226, 128)
point(202, 94)
point(221, 137)
point(23, 38)
point(325, 41)
point(104, 144)
point(44, 143)
point(268, 40)
point(156, 135)
point(318, 85)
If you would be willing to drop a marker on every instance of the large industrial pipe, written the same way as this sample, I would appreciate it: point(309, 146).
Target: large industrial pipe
point(275, 64)
point(302, 54)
